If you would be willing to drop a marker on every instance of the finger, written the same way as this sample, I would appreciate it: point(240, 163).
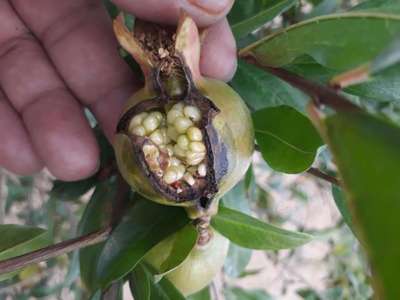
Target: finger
point(62, 136)
point(53, 118)
point(218, 53)
point(16, 152)
point(219, 47)
point(204, 12)
point(78, 37)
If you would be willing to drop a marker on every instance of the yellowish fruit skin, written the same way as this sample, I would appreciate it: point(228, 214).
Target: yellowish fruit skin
point(198, 269)
point(233, 124)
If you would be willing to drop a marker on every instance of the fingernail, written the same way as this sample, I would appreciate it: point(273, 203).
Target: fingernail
point(212, 7)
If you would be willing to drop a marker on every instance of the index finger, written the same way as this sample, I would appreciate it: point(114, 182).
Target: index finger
point(204, 12)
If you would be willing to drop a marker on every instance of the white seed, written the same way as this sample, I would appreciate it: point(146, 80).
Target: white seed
point(172, 115)
point(150, 123)
point(174, 161)
point(170, 149)
point(194, 134)
point(194, 158)
point(183, 142)
point(164, 135)
point(139, 130)
point(197, 147)
point(150, 151)
point(178, 151)
point(178, 107)
point(189, 179)
point(202, 170)
point(180, 171)
point(192, 112)
point(138, 119)
point(158, 115)
point(170, 176)
point(192, 170)
point(182, 124)
point(157, 137)
point(172, 134)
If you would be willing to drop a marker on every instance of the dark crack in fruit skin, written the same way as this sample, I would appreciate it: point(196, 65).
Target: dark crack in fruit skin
point(172, 75)
point(234, 136)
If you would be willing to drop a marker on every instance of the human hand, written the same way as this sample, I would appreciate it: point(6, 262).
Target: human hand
point(57, 57)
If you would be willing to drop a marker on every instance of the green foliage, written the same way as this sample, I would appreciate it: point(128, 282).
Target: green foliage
point(184, 241)
point(258, 16)
point(17, 240)
point(342, 205)
point(260, 89)
point(335, 41)
point(236, 293)
point(287, 139)
point(137, 233)
point(144, 287)
point(249, 232)
point(366, 151)
point(95, 217)
point(204, 294)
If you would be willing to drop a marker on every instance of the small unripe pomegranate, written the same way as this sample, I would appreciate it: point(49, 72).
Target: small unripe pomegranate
point(183, 139)
point(199, 268)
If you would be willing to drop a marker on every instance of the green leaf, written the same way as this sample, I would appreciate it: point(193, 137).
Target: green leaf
point(111, 8)
point(144, 226)
point(237, 260)
point(260, 89)
point(96, 216)
point(183, 242)
point(287, 139)
point(382, 87)
point(249, 232)
point(245, 9)
point(342, 205)
point(366, 150)
point(144, 287)
point(235, 293)
point(204, 294)
point(140, 283)
point(381, 6)
point(388, 57)
point(18, 240)
point(341, 41)
point(244, 27)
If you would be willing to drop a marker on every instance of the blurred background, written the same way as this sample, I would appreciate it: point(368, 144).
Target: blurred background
point(330, 267)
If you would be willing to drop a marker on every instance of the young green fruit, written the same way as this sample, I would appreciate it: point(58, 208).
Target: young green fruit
point(183, 139)
point(199, 268)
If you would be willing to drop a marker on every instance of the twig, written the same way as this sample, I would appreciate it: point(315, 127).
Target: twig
point(318, 173)
point(51, 251)
point(112, 292)
point(321, 94)
point(215, 291)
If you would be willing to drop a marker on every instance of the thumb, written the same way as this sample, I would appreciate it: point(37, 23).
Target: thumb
point(204, 12)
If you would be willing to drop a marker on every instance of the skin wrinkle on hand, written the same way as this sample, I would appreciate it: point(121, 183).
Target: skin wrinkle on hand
point(104, 87)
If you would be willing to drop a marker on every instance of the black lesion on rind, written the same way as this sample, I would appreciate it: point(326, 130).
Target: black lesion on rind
point(216, 160)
